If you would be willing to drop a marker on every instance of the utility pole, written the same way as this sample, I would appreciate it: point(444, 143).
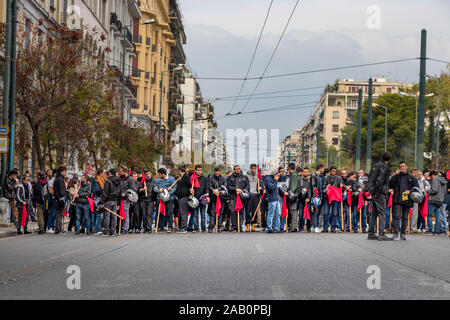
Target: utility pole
point(421, 113)
point(160, 104)
point(12, 94)
point(369, 130)
point(358, 136)
point(437, 124)
point(318, 144)
point(6, 81)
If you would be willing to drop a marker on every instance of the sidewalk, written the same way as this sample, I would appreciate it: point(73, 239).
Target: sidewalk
point(10, 230)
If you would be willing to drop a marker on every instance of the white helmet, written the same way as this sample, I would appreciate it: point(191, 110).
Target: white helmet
point(164, 196)
point(245, 194)
point(193, 202)
point(417, 195)
point(132, 196)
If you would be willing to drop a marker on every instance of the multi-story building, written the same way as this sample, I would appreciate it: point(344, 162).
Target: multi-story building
point(156, 68)
point(334, 111)
point(288, 149)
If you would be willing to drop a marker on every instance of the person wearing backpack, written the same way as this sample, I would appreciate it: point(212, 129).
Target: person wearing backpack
point(98, 184)
point(127, 183)
point(23, 198)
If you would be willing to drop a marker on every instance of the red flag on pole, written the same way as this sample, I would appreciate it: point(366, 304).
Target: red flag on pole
point(238, 207)
point(143, 178)
point(284, 211)
point(360, 201)
point(122, 210)
point(334, 194)
point(218, 206)
point(91, 204)
point(23, 221)
point(390, 201)
point(65, 212)
point(349, 198)
point(306, 212)
point(423, 208)
point(259, 173)
point(162, 207)
point(410, 213)
point(262, 196)
point(194, 181)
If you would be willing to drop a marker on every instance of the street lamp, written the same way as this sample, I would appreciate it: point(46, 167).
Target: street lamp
point(375, 105)
point(124, 35)
point(417, 101)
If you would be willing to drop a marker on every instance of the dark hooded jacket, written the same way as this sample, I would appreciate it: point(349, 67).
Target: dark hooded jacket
point(112, 190)
point(237, 181)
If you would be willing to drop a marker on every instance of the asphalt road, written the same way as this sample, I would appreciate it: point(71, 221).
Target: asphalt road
point(224, 266)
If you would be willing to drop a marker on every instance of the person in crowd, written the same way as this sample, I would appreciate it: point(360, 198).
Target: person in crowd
point(292, 198)
point(10, 191)
point(352, 192)
point(199, 192)
point(377, 189)
point(82, 207)
point(316, 188)
point(345, 207)
point(216, 183)
point(165, 182)
point(336, 181)
point(60, 193)
point(135, 214)
point(401, 185)
point(437, 192)
point(127, 183)
point(50, 205)
point(146, 202)
point(236, 183)
point(273, 200)
point(23, 199)
point(72, 189)
point(38, 201)
point(283, 187)
point(252, 202)
point(304, 199)
point(183, 191)
point(110, 199)
point(98, 184)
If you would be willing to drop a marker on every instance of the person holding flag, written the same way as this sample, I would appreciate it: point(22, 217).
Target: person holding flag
point(82, 208)
point(200, 188)
point(333, 188)
point(378, 187)
point(110, 200)
point(254, 179)
point(316, 187)
point(293, 197)
point(236, 183)
point(401, 184)
point(304, 202)
point(218, 203)
point(352, 202)
point(23, 200)
point(146, 201)
point(183, 191)
point(127, 183)
point(165, 182)
point(273, 199)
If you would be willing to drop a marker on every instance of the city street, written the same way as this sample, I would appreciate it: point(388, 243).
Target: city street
point(224, 266)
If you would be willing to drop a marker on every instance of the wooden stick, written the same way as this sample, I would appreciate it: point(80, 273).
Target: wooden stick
point(306, 221)
point(239, 224)
point(114, 213)
point(217, 222)
point(378, 225)
point(390, 219)
point(145, 188)
point(350, 220)
point(157, 220)
point(199, 220)
point(287, 227)
point(342, 216)
point(175, 182)
point(257, 208)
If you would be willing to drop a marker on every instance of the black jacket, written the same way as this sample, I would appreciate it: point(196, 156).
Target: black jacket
point(378, 183)
point(304, 184)
point(128, 183)
point(234, 182)
point(316, 183)
point(150, 193)
point(112, 190)
point(183, 187)
point(60, 188)
point(85, 191)
point(203, 189)
point(215, 183)
point(37, 193)
point(394, 183)
point(9, 188)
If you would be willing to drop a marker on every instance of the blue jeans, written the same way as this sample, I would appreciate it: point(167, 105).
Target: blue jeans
point(193, 222)
point(355, 216)
point(273, 216)
point(98, 219)
point(332, 215)
point(326, 213)
point(315, 213)
point(51, 215)
point(388, 214)
point(434, 208)
point(83, 210)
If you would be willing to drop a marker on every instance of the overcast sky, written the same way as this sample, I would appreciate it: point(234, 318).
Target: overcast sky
point(221, 37)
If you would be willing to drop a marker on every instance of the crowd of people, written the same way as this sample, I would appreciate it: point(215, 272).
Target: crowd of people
point(297, 200)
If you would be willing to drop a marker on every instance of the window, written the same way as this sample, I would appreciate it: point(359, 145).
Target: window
point(388, 90)
point(335, 128)
point(353, 103)
point(335, 141)
point(339, 104)
point(335, 114)
point(350, 114)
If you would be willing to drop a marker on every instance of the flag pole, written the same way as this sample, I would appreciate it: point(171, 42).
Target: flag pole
point(217, 218)
point(350, 221)
point(239, 224)
point(157, 220)
point(360, 220)
point(378, 225)
point(390, 219)
point(199, 220)
point(342, 216)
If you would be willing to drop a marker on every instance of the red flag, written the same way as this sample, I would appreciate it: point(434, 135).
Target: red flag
point(23, 221)
point(334, 194)
point(262, 196)
point(91, 203)
point(122, 210)
point(349, 198)
point(410, 213)
point(423, 208)
point(284, 211)
point(218, 206)
point(162, 208)
point(390, 201)
point(238, 207)
point(143, 178)
point(65, 212)
point(259, 173)
point(360, 201)
point(306, 212)
point(194, 181)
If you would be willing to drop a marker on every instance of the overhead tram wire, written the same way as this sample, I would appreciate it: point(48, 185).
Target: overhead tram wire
point(253, 57)
point(273, 55)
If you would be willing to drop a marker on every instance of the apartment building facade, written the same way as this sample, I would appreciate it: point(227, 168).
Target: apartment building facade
point(334, 111)
point(288, 149)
